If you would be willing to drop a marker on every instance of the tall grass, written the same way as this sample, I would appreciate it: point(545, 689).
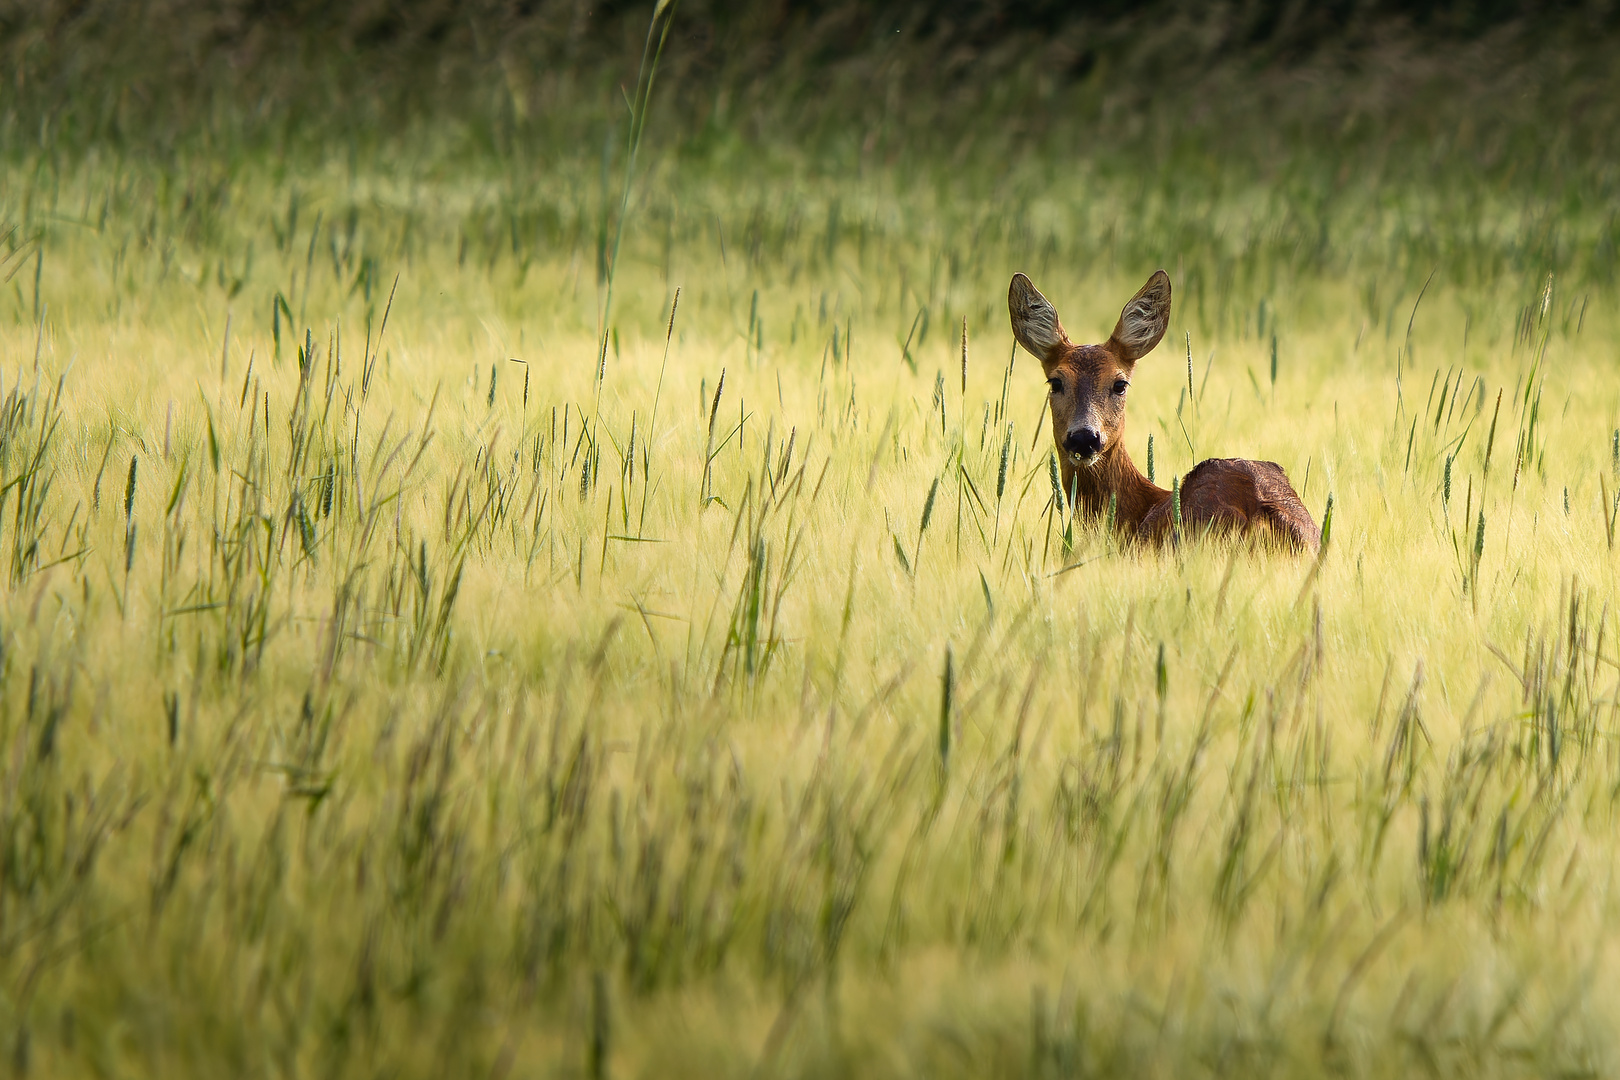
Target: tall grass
point(761, 708)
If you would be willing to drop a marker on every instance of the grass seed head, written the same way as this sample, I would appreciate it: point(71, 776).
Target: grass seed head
point(129, 489)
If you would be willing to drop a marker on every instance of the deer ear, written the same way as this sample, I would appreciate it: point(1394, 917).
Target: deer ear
point(1035, 321)
point(1144, 319)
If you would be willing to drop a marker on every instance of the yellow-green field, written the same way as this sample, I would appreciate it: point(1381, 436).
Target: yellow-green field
point(421, 705)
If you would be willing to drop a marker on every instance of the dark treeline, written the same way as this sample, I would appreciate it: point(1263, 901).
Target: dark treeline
point(82, 73)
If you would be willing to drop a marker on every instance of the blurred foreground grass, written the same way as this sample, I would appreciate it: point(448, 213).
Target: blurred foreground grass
point(383, 694)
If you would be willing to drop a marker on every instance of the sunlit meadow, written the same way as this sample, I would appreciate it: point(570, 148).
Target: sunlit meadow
point(419, 662)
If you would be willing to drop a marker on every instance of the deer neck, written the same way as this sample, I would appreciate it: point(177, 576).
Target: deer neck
point(1113, 479)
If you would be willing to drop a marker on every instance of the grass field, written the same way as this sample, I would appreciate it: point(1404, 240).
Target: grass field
point(384, 693)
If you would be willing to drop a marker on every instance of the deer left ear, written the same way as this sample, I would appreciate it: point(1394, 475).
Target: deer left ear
point(1143, 322)
point(1035, 321)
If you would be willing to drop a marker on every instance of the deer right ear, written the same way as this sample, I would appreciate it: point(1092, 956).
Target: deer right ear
point(1144, 319)
point(1035, 321)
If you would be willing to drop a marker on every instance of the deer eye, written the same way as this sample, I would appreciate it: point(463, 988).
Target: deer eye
point(1120, 386)
point(1056, 385)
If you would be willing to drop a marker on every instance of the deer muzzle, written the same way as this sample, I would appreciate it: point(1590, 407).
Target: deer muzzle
point(1084, 444)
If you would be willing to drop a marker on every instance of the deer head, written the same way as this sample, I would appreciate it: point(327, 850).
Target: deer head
point(1089, 382)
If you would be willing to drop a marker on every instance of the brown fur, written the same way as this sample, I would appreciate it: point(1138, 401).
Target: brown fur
point(1089, 386)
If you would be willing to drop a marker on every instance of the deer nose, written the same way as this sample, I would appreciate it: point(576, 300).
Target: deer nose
point(1083, 441)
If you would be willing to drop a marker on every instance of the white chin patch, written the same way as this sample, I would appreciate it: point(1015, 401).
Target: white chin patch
point(1088, 462)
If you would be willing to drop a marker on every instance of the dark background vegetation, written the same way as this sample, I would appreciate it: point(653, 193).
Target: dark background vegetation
point(167, 73)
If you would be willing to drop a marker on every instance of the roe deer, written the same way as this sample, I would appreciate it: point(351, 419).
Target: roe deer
point(1088, 385)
